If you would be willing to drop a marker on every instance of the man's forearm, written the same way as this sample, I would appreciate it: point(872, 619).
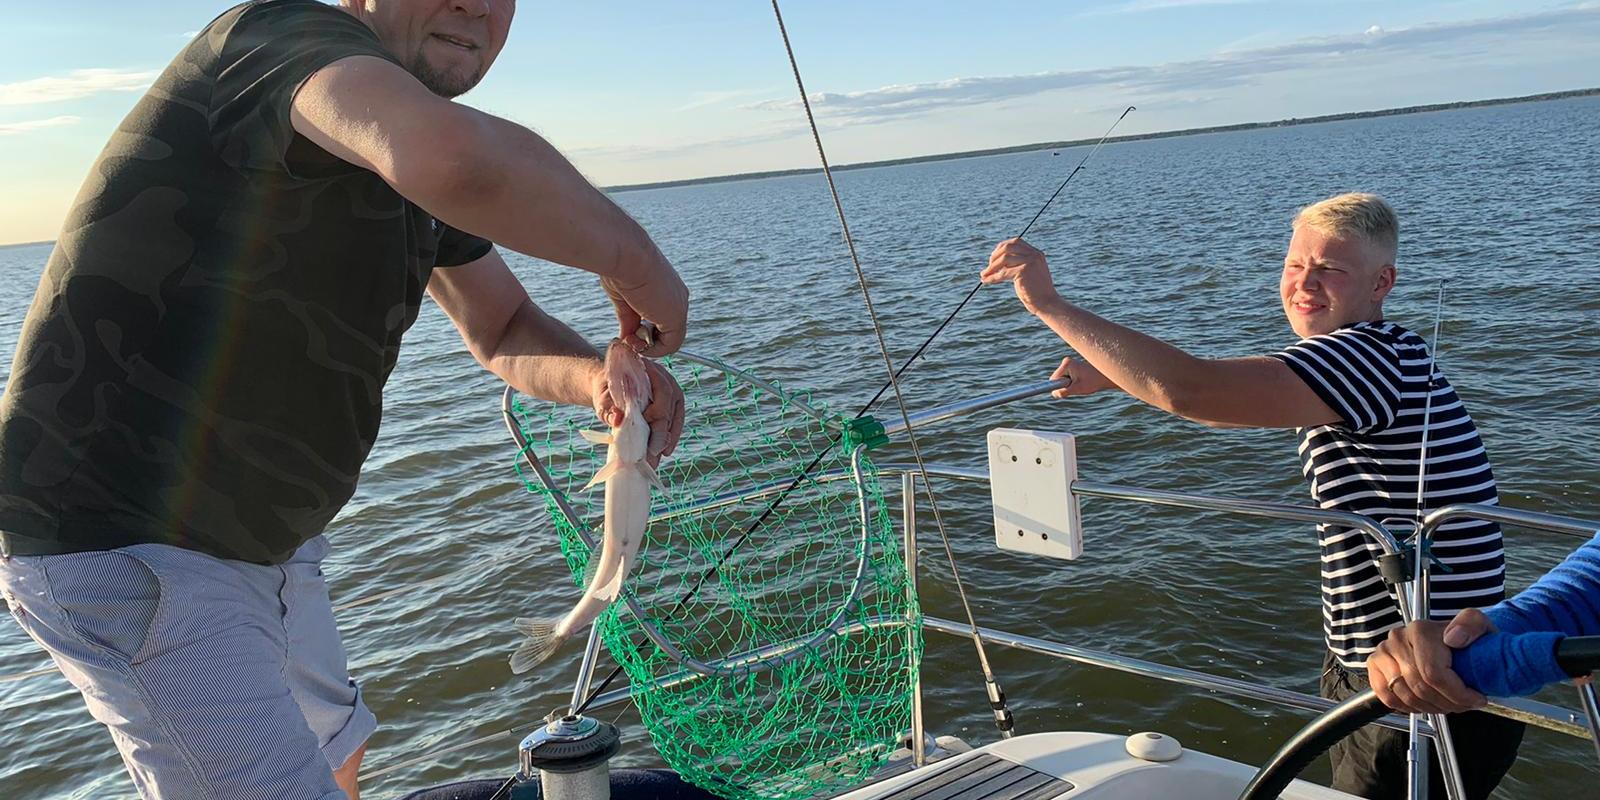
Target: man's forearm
point(1143, 366)
point(541, 357)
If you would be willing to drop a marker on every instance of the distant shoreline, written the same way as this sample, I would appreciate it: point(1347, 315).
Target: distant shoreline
point(1023, 148)
point(26, 244)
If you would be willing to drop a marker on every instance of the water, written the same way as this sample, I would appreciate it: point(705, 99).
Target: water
point(1181, 238)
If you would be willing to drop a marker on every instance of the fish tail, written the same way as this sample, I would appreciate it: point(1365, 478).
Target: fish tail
point(544, 636)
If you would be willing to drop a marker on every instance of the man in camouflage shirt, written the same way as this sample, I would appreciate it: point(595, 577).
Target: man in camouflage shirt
point(200, 376)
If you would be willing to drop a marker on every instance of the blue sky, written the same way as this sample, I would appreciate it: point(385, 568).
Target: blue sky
point(638, 91)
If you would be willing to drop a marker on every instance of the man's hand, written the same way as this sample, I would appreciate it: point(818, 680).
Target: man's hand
point(1410, 671)
point(652, 291)
point(1021, 263)
point(664, 414)
point(1469, 626)
point(1082, 378)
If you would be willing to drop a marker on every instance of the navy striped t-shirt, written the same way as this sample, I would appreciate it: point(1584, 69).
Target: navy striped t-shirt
point(1376, 376)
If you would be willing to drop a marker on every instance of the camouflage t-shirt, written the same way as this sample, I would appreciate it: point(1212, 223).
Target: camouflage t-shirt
point(204, 360)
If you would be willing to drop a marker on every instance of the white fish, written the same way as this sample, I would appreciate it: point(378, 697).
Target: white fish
point(627, 477)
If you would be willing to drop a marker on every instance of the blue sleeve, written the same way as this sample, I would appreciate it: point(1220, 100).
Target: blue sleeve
point(1520, 657)
point(1566, 599)
point(1510, 665)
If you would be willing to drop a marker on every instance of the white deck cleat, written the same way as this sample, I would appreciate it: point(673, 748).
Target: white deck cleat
point(1150, 746)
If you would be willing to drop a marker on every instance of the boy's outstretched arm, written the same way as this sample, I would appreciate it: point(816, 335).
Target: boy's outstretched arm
point(1235, 392)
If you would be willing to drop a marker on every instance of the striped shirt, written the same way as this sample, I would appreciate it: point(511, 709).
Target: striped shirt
point(1375, 375)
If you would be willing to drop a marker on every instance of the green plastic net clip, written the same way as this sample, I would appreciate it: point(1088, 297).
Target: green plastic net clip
point(864, 431)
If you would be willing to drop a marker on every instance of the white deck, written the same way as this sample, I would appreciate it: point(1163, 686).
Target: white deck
point(1096, 765)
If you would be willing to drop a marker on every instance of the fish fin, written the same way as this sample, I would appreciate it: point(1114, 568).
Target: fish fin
point(606, 473)
point(543, 638)
point(591, 567)
point(613, 588)
point(595, 437)
point(650, 475)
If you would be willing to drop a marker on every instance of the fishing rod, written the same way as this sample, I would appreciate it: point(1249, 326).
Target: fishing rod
point(996, 696)
point(974, 291)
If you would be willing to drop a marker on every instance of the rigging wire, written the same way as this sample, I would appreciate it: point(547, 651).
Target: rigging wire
point(997, 699)
point(996, 696)
point(1416, 749)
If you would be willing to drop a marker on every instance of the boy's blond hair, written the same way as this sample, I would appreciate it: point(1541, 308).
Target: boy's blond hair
point(1355, 213)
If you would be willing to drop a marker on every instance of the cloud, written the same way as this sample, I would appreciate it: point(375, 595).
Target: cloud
point(1241, 67)
point(1143, 6)
point(637, 152)
point(74, 85)
point(26, 126)
point(713, 98)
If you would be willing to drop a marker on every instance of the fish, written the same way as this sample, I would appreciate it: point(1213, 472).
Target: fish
point(628, 479)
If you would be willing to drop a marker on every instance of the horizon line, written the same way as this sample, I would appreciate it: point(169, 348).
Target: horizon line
point(1023, 148)
point(1132, 137)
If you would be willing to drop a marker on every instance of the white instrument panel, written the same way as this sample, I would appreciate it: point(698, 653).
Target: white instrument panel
point(1030, 475)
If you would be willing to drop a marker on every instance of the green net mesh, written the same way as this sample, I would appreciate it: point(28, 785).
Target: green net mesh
point(804, 727)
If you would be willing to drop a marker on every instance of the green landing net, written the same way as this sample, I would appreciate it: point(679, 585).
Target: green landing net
point(810, 721)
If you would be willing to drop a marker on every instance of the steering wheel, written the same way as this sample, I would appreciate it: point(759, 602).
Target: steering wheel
point(1576, 656)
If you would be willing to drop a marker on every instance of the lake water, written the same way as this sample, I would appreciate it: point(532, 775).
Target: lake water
point(1179, 237)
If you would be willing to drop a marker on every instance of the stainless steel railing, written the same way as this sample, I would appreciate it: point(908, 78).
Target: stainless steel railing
point(1533, 520)
point(1543, 715)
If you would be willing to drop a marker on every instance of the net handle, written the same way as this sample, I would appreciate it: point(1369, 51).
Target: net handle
point(758, 659)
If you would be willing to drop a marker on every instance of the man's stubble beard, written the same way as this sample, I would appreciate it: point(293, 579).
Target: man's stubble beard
point(440, 82)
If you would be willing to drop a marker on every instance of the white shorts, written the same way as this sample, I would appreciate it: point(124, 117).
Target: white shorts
point(217, 678)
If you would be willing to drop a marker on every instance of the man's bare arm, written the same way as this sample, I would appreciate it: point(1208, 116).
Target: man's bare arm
point(1256, 392)
point(489, 177)
point(539, 355)
point(512, 337)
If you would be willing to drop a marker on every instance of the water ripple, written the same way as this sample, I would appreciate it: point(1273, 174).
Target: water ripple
point(1180, 237)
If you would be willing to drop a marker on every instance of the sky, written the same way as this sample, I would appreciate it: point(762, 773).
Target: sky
point(635, 91)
